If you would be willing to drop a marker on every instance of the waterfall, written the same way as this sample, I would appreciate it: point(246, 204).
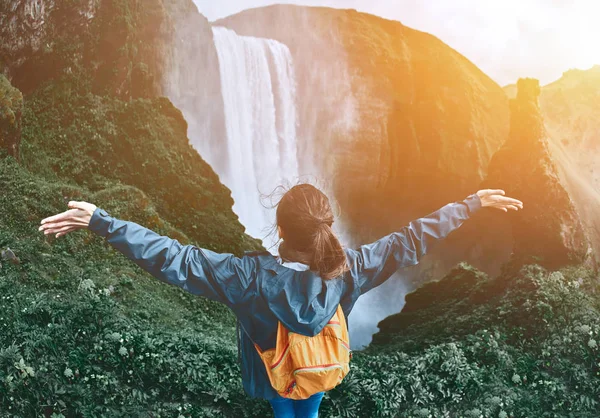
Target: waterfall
point(258, 88)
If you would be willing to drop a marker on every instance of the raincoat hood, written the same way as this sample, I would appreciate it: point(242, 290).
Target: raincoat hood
point(301, 300)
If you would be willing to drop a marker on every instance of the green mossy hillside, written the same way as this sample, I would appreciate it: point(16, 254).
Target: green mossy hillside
point(66, 300)
point(85, 332)
point(100, 141)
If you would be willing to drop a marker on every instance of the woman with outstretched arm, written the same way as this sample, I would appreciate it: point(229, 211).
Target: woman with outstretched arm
point(301, 289)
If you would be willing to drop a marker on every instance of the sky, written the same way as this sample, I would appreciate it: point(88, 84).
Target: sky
point(507, 39)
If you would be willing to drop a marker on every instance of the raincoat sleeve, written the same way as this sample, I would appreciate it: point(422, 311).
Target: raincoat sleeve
point(220, 277)
point(374, 263)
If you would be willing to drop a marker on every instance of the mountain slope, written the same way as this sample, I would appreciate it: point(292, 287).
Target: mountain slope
point(521, 344)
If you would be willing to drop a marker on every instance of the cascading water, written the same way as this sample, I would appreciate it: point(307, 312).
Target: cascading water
point(258, 150)
point(258, 89)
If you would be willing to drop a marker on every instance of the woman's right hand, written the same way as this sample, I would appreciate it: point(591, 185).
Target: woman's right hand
point(495, 199)
point(77, 217)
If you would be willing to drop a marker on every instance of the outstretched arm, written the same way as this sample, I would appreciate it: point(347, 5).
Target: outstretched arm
point(221, 277)
point(374, 263)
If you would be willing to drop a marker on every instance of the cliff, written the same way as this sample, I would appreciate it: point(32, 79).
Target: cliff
point(402, 122)
point(191, 60)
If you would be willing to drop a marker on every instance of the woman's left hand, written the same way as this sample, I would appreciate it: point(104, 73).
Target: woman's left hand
point(495, 198)
point(77, 217)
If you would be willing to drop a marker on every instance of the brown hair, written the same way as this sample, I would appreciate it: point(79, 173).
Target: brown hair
point(305, 218)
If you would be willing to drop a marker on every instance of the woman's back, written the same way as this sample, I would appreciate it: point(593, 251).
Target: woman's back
point(259, 290)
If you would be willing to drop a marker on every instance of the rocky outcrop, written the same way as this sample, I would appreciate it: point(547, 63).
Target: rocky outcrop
point(35, 35)
point(117, 46)
point(26, 26)
point(459, 297)
point(548, 230)
point(11, 112)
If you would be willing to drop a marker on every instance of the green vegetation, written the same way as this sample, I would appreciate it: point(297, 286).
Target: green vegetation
point(64, 304)
point(99, 142)
point(84, 332)
point(524, 344)
point(11, 111)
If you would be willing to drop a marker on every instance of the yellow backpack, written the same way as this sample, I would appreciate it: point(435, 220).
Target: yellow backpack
point(300, 366)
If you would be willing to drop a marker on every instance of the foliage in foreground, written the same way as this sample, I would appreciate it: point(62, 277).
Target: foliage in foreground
point(522, 345)
point(64, 304)
point(83, 332)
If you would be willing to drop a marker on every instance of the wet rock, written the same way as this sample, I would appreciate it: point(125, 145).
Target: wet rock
point(30, 31)
point(119, 46)
point(10, 256)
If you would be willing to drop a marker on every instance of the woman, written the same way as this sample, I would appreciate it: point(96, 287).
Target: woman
point(302, 287)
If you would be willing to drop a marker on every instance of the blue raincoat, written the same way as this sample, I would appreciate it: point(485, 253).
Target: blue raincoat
point(260, 291)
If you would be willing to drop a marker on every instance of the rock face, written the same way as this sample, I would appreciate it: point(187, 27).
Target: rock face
point(117, 44)
point(548, 230)
point(31, 30)
point(25, 26)
point(391, 119)
point(192, 42)
point(399, 121)
point(11, 112)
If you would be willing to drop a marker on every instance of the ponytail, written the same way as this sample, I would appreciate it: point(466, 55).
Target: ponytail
point(305, 217)
point(329, 258)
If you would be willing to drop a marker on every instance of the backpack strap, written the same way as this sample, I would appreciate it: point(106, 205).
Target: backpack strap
point(239, 340)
